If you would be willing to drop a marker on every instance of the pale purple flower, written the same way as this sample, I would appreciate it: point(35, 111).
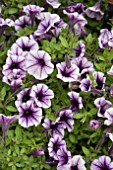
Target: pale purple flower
point(79, 29)
point(103, 163)
point(32, 10)
point(47, 123)
point(2, 22)
point(102, 104)
point(46, 24)
point(42, 95)
point(26, 44)
point(36, 152)
point(100, 80)
point(80, 49)
point(13, 62)
point(9, 22)
point(67, 74)
point(21, 22)
point(111, 90)
point(54, 144)
point(15, 50)
point(109, 115)
point(66, 118)
point(29, 115)
point(110, 42)
point(86, 85)
point(76, 101)
point(79, 7)
point(105, 36)
point(53, 3)
point(6, 121)
point(23, 96)
point(64, 157)
point(110, 72)
point(94, 11)
point(39, 64)
point(110, 135)
point(95, 124)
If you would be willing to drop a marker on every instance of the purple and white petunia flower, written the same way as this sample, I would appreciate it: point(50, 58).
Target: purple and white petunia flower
point(110, 42)
point(14, 62)
point(23, 96)
point(95, 124)
point(104, 37)
point(64, 157)
point(76, 101)
point(79, 29)
point(80, 49)
point(79, 7)
point(22, 21)
point(102, 104)
point(103, 163)
point(109, 115)
point(53, 3)
point(111, 90)
point(47, 123)
point(66, 118)
point(37, 152)
point(6, 121)
point(29, 115)
point(26, 44)
point(86, 84)
point(9, 22)
point(67, 74)
point(95, 11)
point(39, 64)
point(54, 145)
point(100, 80)
point(110, 72)
point(42, 95)
point(85, 66)
point(32, 10)
point(2, 22)
point(110, 135)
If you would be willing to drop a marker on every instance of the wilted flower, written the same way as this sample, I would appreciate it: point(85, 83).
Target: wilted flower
point(39, 64)
point(104, 38)
point(76, 101)
point(42, 95)
point(23, 97)
point(29, 115)
point(109, 115)
point(67, 74)
point(100, 80)
point(21, 22)
point(95, 124)
point(54, 144)
point(110, 72)
point(111, 90)
point(94, 11)
point(103, 163)
point(36, 152)
point(79, 29)
point(64, 157)
point(32, 10)
point(102, 104)
point(6, 121)
point(53, 3)
point(85, 85)
point(80, 49)
point(66, 118)
point(79, 7)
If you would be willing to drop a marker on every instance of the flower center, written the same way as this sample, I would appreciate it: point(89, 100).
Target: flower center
point(39, 96)
point(25, 98)
point(14, 65)
point(27, 112)
point(41, 62)
point(74, 168)
point(25, 48)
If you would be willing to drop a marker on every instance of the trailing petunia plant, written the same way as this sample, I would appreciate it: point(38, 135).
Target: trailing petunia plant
point(56, 90)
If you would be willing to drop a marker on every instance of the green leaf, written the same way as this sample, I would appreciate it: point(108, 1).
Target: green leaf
point(12, 10)
point(13, 167)
point(3, 93)
point(72, 138)
point(63, 41)
point(86, 151)
point(18, 132)
point(11, 109)
point(78, 115)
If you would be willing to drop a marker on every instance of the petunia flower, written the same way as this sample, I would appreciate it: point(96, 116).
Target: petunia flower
point(47, 123)
point(42, 95)
point(6, 121)
point(36, 152)
point(21, 22)
point(104, 37)
point(80, 49)
point(29, 115)
point(2, 22)
point(9, 22)
point(102, 104)
point(54, 145)
point(94, 11)
point(79, 29)
point(53, 3)
point(32, 10)
point(86, 85)
point(66, 118)
point(79, 7)
point(64, 157)
point(67, 74)
point(23, 96)
point(110, 72)
point(109, 115)
point(39, 64)
point(100, 80)
point(76, 101)
point(103, 163)
point(95, 124)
